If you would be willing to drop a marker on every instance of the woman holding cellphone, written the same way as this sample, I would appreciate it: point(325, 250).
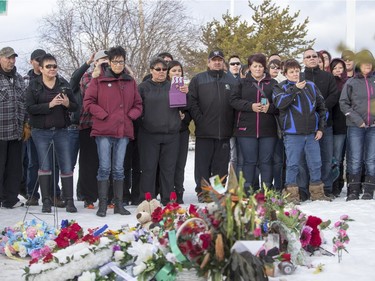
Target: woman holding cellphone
point(49, 100)
point(255, 127)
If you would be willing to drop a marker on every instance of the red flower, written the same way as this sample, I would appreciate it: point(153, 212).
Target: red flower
point(285, 257)
point(148, 196)
point(157, 214)
point(75, 227)
point(260, 198)
point(206, 240)
point(48, 258)
point(62, 242)
point(34, 260)
point(173, 197)
point(193, 210)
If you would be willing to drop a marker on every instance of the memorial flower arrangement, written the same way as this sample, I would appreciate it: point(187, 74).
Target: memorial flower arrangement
point(29, 238)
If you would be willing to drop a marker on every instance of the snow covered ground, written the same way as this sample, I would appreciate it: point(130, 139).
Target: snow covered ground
point(356, 265)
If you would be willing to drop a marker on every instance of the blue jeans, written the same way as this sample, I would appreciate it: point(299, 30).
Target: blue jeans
point(43, 140)
point(338, 147)
point(74, 143)
point(297, 145)
point(118, 147)
point(257, 151)
point(361, 147)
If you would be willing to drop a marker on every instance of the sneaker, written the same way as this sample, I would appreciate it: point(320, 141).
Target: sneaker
point(89, 205)
point(32, 201)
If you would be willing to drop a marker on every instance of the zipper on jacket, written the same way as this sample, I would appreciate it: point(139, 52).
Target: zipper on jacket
point(368, 102)
point(218, 90)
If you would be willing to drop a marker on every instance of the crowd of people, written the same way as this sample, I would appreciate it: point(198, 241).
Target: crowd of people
point(283, 128)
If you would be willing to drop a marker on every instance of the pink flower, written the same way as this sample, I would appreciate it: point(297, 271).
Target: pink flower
point(31, 232)
point(294, 212)
point(257, 232)
point(342, 233)
point(337, 224)
point(305, 235)
point(344, 217)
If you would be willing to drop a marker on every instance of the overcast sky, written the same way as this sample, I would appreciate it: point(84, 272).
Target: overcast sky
point(19, 28)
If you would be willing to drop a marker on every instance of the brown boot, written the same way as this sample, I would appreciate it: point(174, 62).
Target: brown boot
point(293, 194)
point(317, 192)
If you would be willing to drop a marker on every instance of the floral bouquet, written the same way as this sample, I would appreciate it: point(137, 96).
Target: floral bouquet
point(30, 238)
point(72, 253)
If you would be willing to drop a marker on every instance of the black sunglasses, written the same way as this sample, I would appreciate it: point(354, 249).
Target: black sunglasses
point(49, 66)
point(235, 63)
point(160, 69)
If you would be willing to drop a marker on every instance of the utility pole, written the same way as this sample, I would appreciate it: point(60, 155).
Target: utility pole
point(350, 23)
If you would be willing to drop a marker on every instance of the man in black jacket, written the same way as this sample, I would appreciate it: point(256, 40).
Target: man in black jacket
point(326, 83)
point(210, 109)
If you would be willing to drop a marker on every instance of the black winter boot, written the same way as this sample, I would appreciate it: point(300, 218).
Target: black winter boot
point(354, 187)
point(368, 188)
point(103, 187)
point(180, 196)
point(118, 191)
point(67, 185)
point(44, 182)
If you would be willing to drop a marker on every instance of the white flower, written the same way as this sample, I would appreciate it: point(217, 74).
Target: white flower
point(127, 237)
point(143, 251)
point(22, 251)
point(119, 255)
point(138, 269)
point(50, 244)
point(171, 258)
point(87, 276)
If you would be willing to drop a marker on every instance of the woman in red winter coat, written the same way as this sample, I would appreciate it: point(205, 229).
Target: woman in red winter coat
point(113, 100)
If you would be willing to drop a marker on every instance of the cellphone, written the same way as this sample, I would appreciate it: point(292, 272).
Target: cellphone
point(263, 101)
point(301, 76)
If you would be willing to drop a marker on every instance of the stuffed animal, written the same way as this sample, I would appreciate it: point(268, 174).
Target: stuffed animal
point(145, 209)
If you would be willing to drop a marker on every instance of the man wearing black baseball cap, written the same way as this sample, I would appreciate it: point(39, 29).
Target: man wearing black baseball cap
point(209, 94)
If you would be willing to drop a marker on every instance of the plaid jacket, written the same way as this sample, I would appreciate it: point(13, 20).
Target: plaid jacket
point(85, 117)
point(12, 107)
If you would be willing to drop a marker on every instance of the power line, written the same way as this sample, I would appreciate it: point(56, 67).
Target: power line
point(15, 40)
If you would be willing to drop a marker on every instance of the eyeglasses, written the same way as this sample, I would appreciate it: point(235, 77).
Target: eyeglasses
point(160, 69)
point(118, 62)
point(49, 66)
point(235, 63)
point(313, 56)
point(275, 67)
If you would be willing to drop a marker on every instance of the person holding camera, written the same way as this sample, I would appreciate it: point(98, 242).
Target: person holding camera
point(49, 100)
point(255, 125)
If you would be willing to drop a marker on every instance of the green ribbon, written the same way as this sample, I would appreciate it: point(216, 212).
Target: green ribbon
point(175, 249)
point(167, 273)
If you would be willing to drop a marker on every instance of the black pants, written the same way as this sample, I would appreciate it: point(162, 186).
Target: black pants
point(132, 171)
point(211, 158)
point(10, 171)
point(88, 166)
point(157, 149)
point(179, 174)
